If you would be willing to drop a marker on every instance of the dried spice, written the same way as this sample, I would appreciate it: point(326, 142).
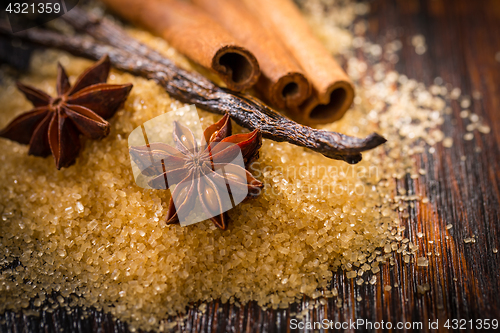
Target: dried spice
point(197, 168)
point(194, 33)
point(129, 55)
point(54, 125)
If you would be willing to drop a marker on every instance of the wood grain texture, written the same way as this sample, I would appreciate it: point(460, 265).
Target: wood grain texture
point(462, 37)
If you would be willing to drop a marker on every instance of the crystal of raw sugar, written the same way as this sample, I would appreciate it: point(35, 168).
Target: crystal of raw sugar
point(422, 262)
point(351, 274)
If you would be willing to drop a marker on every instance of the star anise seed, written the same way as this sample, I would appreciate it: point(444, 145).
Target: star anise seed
point(55, 124)
point(204, 172)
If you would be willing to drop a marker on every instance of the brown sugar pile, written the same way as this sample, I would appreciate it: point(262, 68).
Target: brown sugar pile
point(91, 235)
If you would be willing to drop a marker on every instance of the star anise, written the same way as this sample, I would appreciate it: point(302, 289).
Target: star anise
point(55, 124)
point(204, 172)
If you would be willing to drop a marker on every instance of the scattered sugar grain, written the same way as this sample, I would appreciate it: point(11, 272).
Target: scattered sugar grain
point(468, 136)
point(485, 129)
point(420, 49)
point(422, 262)
point(464, 114)
point(474, 117)
point(465, 103)
point(424, 288)
point(455, 93)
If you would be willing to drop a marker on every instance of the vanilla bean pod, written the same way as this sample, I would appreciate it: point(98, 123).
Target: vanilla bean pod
point(194, 88)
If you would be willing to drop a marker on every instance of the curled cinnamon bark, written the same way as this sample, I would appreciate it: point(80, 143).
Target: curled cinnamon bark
point(333, 91)
point(196, 35)
point(282, 82)
point(193, 88)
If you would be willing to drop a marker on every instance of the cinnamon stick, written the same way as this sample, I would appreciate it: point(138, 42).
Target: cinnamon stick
point(196, 35)
point(333, 92)
point(282, 81)
point(193, 88)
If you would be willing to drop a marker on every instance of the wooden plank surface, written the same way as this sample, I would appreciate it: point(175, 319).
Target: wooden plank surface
point(462, 38)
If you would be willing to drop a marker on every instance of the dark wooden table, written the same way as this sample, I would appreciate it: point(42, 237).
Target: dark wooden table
point(462, 38)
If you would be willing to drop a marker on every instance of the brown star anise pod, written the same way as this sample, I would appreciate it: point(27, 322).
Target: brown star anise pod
point(54, 125)
point(207, 172)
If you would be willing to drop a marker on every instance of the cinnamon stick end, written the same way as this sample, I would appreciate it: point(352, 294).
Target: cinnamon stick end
point(337, 101)
point(290, 91)
point(237, 67)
